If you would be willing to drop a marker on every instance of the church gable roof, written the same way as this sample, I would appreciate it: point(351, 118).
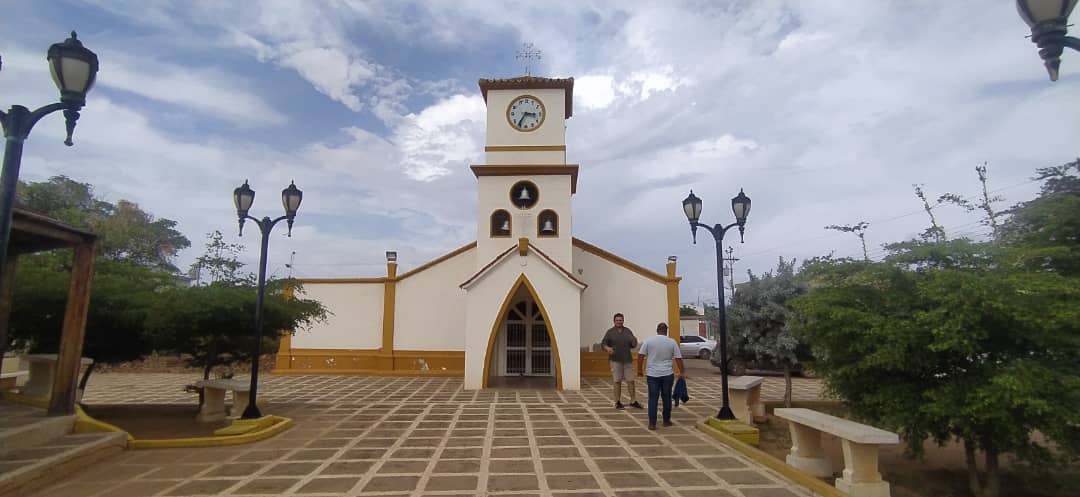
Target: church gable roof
point(530, 83)
point(508, 253)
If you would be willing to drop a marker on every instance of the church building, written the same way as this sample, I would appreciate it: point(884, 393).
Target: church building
point(526, 299)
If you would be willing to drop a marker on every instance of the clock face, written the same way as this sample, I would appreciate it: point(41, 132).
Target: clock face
point(526, 113)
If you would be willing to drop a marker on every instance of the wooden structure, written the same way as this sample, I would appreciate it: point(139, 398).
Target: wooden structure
point(32, 233)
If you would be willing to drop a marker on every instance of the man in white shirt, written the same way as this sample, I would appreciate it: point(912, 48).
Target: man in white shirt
point(660, 352)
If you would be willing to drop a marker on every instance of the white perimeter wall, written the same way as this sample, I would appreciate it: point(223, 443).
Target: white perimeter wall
point(430, 309)
point(356, 322)
point(613, 288)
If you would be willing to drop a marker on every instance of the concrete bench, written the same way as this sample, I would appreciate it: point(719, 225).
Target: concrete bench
point(744, 394)
point(42, 367)
point(9, 380)
point(213, 408)
point(860, 443)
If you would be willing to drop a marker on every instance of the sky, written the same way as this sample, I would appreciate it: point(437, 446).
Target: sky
point(824, 112)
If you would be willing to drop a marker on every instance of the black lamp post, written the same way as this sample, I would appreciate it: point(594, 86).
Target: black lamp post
point(741, 206)
point(1048, 20)
point(73, 69)
point(243, 197)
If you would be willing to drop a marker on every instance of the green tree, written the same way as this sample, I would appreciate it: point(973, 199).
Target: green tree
point(758, 320)
point(221, 262)
point(1047, 228)
point(126, 232)
point(212, 325)
point(860, 231)
point(120, 298)
point(687, 311)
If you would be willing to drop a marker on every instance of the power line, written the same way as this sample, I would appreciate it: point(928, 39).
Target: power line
point(882, 221)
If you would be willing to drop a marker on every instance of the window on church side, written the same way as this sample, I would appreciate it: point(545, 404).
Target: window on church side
point(500, 224)
point(547, 223)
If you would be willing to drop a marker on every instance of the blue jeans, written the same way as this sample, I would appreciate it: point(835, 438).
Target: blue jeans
point(660, 387)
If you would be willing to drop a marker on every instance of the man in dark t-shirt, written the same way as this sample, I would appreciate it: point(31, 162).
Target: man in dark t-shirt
point(618, 342)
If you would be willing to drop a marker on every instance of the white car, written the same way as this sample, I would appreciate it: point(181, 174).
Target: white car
point(695, 346)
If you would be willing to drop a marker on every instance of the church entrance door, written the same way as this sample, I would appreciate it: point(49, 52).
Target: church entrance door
point(525, 346)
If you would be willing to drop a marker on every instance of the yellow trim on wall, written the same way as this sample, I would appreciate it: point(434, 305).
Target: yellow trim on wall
point(525, 148)
point(342, 280)
point(373, 362)
point(674, 326)
point(603, 254)
point(454, 253)
point(386, 353)
point(523, 246)
point(522, 281)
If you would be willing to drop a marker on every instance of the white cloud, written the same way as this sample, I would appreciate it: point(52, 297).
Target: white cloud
point(210, 92)
point(449, 131)
point(594, 91)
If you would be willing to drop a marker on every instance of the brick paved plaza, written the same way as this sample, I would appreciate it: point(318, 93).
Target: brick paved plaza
point(426, 436)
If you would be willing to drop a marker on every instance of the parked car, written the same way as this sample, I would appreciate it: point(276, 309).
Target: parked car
point(695, 346)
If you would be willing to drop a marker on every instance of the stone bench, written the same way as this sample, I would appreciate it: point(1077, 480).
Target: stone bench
point(860, 443)
point(744, 394)
point(42, 368)
point(213, 408)
point(9, 379)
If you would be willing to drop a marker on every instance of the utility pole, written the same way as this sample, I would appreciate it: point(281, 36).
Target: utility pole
point(730, 269)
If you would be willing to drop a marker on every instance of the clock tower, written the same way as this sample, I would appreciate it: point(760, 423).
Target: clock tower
point(525, 186)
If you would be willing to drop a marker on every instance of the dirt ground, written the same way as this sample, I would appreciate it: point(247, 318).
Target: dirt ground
point(155, 422)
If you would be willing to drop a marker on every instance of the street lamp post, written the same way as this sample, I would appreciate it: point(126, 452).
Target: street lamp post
point(1048, 20)
point(243, 197)
point(74, 69)
point(741, 206)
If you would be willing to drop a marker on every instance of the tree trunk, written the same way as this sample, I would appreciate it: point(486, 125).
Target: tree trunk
point(787, 385)
point(972, 469)
point(205, 376)
point(993, 480)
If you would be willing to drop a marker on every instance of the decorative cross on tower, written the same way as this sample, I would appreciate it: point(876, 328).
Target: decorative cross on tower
point(527, 53)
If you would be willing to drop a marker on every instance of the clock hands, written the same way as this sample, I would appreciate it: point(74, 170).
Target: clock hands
point(523, 117)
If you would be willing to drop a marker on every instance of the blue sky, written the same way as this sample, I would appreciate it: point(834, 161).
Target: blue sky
point(825, 112)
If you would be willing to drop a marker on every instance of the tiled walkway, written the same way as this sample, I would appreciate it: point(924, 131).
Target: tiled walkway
point(424, 436)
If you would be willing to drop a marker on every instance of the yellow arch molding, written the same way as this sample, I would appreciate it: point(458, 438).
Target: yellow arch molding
point(522, 281)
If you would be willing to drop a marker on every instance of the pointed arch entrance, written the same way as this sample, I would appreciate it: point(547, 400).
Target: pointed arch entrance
point(522, 343)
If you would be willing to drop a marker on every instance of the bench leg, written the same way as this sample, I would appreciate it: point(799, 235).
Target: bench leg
point(240, 402)
point(806, 452)
point(861, 477)
point(213, 408)
point(757, 408)
point(740, 405)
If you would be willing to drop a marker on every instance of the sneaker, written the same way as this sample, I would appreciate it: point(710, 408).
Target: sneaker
point(652, 427)
point(636, 405)
point(618, 405)
point(668, 423)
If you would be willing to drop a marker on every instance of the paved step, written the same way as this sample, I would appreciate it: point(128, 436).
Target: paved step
point(24, 427)
point(24, 470)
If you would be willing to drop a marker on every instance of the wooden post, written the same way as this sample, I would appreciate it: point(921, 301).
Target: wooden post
point(7, 288)
point(69, 357)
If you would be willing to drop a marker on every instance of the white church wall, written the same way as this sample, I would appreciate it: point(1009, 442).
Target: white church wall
point(526, 157)
point(551, 132)
point(494, 193)
point(614, 288)
point(560, 299)
point(356, 319)
point(430, 310)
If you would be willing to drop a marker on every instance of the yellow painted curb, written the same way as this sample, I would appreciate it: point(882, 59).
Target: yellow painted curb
point(815, 485)
point(735, 428)
point(264, 429)
point(86, 424)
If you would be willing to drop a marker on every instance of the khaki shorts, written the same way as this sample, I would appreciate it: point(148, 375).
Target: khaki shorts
point(622, 372)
